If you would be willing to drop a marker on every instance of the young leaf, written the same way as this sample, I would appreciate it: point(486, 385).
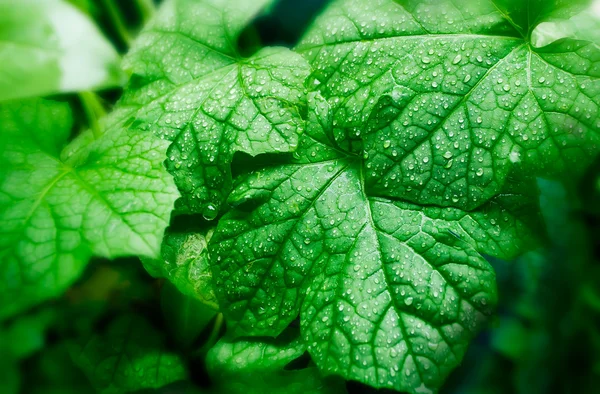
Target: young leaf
point(184, 262)
point(48, 47)
point(257, 366)
point(191, 86)
point(454, 97)
point(114, 200)
point(389, 293)
point(129, 356)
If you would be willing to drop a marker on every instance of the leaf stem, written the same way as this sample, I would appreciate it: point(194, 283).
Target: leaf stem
point(214, 334)
point(117, 21)
point(146, 9)
point(94, 110)
point(212, 338)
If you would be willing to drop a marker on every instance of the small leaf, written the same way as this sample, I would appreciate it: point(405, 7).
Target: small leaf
point(49, 46)
point(185, 263)
point(115, 200)
point(248, 366)
point(129, 356)
point(26, 335)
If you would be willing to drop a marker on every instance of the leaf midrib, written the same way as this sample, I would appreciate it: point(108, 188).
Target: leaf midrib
point(68, 170)
point(452, 36)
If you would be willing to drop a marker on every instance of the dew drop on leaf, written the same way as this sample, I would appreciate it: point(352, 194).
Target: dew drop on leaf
point(210, 212)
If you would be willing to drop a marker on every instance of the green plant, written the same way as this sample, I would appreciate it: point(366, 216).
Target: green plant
point(337, 198)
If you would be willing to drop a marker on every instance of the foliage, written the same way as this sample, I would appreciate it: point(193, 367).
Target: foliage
point(334, 215)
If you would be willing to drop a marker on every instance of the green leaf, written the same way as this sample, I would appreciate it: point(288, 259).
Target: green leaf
point(254, 355)
point(26, 335)
point(448, 100)
point(129, 356)
point(191, 86)
point(258, 366)
point(49, 46)
point(389, 293)
point(114, 200)
point(185, 263)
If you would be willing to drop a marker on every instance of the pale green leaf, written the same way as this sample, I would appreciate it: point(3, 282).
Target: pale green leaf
point(49, 46)
point(526, 14)
point(114, 200)
point(583, 26)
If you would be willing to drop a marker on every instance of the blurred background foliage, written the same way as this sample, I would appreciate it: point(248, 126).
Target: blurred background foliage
point(544, 339)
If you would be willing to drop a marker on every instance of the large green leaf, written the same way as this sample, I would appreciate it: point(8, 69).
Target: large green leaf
point(113, 199)
point(48, 46)
point(389, 293)
point(191, 86)
point(447, 98)
point(128, 357)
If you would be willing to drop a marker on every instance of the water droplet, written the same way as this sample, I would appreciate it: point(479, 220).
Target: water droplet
point(210, 212)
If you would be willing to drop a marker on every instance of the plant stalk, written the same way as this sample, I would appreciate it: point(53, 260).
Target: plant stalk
point(117, 21)
point(94, 110)
point(146, 9)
